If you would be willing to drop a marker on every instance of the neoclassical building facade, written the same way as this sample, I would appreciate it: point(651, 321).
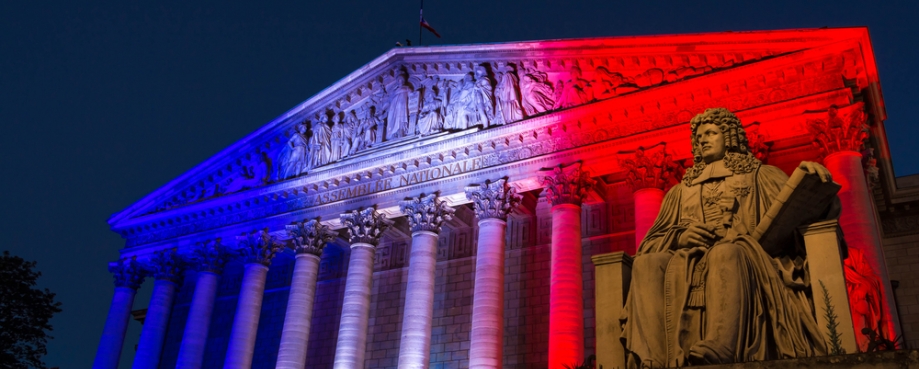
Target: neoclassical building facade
point(440, 206)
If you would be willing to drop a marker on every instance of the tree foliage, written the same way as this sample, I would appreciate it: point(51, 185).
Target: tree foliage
point(24, 314)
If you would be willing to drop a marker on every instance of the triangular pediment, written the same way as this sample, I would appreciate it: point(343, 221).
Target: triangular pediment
point(410, 97)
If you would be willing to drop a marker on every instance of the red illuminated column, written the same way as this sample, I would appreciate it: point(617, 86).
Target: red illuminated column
point(209, 259)
point(165, 266)
point(649, 172)
point(647, 206)
point(259, 248)
point(426, 214)
point(842, 136)
point(566, 188)
point(309, 239)
point(128, 277)
point(492, 202)
point(365, 228)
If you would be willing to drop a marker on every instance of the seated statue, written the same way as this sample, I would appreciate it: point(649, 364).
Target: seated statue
point(703, 291)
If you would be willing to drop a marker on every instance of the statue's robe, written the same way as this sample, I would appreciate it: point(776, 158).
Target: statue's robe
point(678, 311)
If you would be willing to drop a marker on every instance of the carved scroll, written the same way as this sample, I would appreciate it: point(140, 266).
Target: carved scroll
point(567, 184)
point(492, 199)
point(426, 212)
point(258, 246)
point(365, 225)
point(840, 130)
point(127, 272)
point(310, 236)
point(653, 167)
point(166, 265)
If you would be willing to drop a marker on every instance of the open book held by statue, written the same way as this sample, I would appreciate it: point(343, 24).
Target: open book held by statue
point(720, 278)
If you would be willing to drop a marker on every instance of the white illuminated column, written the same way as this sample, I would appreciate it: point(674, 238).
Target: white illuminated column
point(425, 215)
point(128, 277)
point(209, 259)
point(566, 188)
point(492, 201)
point(309, 239)
point(365, 228)
point(259, 248)
point(166, 268)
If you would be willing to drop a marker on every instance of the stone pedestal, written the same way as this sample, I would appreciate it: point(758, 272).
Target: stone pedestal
point(647, 206)
point(612, 275)
point(825, 263)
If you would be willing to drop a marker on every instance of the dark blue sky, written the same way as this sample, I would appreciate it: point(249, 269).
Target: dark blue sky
point(101, 104)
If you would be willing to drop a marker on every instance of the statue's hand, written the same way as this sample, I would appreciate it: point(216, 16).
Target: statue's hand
point(815, 168)
point(698, 234)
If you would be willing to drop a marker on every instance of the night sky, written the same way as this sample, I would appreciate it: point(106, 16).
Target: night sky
point(102, 104)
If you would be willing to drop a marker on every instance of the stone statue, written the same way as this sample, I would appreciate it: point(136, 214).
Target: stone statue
point(576, 91)
point(431, 118)
point(536, 93)
point(397, 114)
point(483, 98)
point(256, 173)
point(338, 138)
point(354, 128)
point(368, 126)
point(294, 158)
point(461, 110)
point(320, 142)
point(703, 291)
point(507, 101)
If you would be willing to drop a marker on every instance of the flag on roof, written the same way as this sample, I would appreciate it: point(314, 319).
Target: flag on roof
point(425, 24)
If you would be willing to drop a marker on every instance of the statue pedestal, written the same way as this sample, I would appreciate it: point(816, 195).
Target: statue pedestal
point(822, 241)
point(612, 274)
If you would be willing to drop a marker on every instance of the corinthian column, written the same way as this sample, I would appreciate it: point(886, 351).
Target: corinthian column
point(309, 239)
point(365, 228)
point(259, 248)
point(128, 275)
point(492, 202)
point(426, 214)
point(208, 258)
point(566, 187)
point(841, 136)
point(649, 175)
point(166, 269)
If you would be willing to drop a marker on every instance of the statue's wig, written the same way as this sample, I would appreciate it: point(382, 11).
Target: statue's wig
point(737, 156)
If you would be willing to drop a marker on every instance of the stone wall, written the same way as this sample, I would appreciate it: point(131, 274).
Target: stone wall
point(903, 265)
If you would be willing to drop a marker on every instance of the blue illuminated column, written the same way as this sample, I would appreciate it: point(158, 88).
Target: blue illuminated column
point(259, 248)
point(309, 239)
point(492, 202)
point(166, 269)
point(128, 275)
point(426, 214)
point(209, 259)
point(365, 228)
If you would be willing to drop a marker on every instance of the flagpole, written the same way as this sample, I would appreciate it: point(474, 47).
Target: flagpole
point(420, 17)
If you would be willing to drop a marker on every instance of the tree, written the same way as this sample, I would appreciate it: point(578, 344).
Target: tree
point(24, 314)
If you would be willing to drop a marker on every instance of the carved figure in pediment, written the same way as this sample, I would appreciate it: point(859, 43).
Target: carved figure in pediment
point(398, 112)
point(461, 109)
point(536, 92)
point(354, 127)
point(367, 126)
point(341, 138)
point(254, 174)
point(608, 84)
point(507, 99)
point(483, 98)
point(294, 157)
point(431, 118)
point(321, 142)
point(573, 92)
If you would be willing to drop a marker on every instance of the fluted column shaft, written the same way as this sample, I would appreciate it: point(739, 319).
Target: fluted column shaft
point(487, 333)
point(154, 331)
point(418, 315)
point(194, 339)
point(245, 322)
point(296, 331)
point(859, 222)
point(116, 324)
point(647, 206)
point(355, 309)
point(566, 302)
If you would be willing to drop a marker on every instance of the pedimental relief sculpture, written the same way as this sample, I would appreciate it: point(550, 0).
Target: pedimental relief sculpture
point(705, 289)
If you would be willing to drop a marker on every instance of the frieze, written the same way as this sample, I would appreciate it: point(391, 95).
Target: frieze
point(539, 136)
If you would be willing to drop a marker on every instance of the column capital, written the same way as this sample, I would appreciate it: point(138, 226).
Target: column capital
point(258, 246)
point(492, 199)
point(841, 129)
point(566, 184)
point(426, 212)
point(128, 272)
point(166, 265)
point(310, 236)
point(210, 256)
point(651, 167)
point(365, 225)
